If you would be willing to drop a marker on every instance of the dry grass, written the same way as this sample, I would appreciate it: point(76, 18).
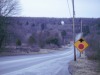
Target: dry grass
point(91, 64)
point(93, 51)
point(84, 66)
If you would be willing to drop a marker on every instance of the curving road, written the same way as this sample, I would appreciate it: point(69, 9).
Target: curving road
point(55, 63)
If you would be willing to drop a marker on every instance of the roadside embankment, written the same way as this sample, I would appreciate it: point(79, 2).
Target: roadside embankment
point(83, 66)
point(27, 51)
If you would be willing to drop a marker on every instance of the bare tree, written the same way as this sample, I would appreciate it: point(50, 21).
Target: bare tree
point(8, 7)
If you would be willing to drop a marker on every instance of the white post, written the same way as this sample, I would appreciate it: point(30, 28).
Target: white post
point(81, 25)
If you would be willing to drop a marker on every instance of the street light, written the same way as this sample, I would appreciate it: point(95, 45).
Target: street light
point(62, 22)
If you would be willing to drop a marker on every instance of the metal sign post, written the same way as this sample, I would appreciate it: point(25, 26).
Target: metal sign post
point(81, 25)
point(81, 32)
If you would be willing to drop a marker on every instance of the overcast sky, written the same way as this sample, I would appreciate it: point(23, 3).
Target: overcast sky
point(59, 8)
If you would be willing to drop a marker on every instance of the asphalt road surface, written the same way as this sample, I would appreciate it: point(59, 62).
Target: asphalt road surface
point(55, 63)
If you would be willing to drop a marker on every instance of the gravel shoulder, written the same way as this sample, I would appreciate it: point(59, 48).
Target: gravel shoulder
point(83, 66)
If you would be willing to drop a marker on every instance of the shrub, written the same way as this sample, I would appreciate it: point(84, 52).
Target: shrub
point(35, 48)
point(51, 46)
point(53, 41)
point(27, 23)
point(63, 33)
point(18, 42)
point(93, 51)
point(31, 40)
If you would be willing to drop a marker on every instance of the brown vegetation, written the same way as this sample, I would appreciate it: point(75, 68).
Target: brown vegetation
point(93, 51)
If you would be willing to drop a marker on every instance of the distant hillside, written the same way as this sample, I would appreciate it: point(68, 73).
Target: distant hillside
point(23, 27)
point(39, 20)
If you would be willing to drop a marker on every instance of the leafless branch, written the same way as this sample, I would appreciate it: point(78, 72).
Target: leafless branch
point(8, 7)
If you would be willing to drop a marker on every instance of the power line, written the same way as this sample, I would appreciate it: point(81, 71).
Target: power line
point(69, 8)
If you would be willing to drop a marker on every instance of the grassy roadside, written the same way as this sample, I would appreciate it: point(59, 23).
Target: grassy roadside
point(41, 51)
point(84, 66)
point(90, 64)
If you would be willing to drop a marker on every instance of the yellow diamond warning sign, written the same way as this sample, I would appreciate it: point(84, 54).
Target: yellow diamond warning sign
point(81, 44)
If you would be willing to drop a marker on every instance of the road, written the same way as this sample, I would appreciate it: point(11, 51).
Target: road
point(55, 63)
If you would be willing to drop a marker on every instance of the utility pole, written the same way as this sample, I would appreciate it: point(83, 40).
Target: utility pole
point(81, 25)
point(74, 29)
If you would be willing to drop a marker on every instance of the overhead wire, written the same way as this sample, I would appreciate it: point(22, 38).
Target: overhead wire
point(69, 8)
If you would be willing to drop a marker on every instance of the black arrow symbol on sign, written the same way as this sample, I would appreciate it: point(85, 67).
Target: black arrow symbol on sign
point(81, 40)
